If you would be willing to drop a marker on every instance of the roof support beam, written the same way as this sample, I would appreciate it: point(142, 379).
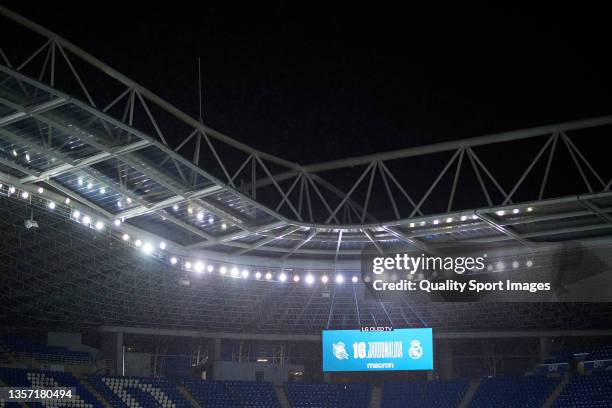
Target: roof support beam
point(503, 229)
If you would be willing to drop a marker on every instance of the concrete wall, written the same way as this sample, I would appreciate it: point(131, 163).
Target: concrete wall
point(138, 364)
point(275, 373)
point(71, 341)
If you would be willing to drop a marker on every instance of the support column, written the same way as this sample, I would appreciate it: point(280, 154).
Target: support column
point(447, 360)
point(119, 355)
point(544, 349)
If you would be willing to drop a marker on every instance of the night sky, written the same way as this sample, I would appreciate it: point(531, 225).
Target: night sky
point(322, 82)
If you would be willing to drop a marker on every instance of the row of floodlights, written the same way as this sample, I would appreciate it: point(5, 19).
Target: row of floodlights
point(199, 267)
point(499, 213)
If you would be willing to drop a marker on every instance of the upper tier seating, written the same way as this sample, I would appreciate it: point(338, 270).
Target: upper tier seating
point(587, 391)
point(513, 392)
point(35, 378)
point(423, 393)
point(350, 395)
point(230, 394)
point(137, 392)
point(23, 348)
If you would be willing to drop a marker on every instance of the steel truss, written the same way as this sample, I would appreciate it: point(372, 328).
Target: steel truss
point(264, 207)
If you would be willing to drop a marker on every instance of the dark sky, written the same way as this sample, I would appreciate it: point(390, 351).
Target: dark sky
point(323, 82)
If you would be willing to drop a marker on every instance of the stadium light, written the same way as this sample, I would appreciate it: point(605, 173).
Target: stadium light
point(119, 204)
point(27, 157)
point(200, 216)
point(11, 190)
point(102, 190)
point(257, 275)
point(296, 278)
point(128, 200)
point(147, 248)
point(175, 207)
point(474, 217)
point(24, 195)
point(515, 211)
point(198, 267)
point(99, 225)
point(80, 181)
point(339, 278)
point(515, 264)
point(529, 263)
point(324, 279)
point(117, 222)
point(86, 220)
point(268, 276)
point(463, 218)
point(354, 279)
point(210, 269)
point(14, 152)
point(125, 237)
point(162, 245)
point(89, 185)
point(138, 242)
point(500, 212)
point(223, 226)
point(51, 205)
point(190, 210)
point(245, 273)
point(436, 222)
point(412, 225)
point(67, 200)
point(309, 279)
point(234, 271)
point(211, 220)
point(40, 190)
point(449, 219)
point(529, 209)
point(500, 266)
point(76, 214)
point(187, 265)
point(282, 277)
point(223, 270)
point(173, 260)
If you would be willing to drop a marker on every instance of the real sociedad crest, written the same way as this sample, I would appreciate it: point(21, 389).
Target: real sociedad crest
point(415, 351)
point(340, 351)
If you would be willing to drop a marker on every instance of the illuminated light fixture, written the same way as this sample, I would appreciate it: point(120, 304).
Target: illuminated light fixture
point(187, 265)
point(24, 195)
point(190, 210)
point(210, 268)
point(515, 264)
point(500, 212)
point(138, 242)
point(324, 279)
point(463, 218)
point(51, 205)
point(99, 225)
point(257, 275)
point(529, 263)
point(339, 279)
point(234, 271)
point(102, 190)
point(198, 267)
point(268, 276)
point(296, 278)
point(200, 216)
point(76, 214)
point(309, 279)
point(40, 190)
point(262, 360)
point(117, 222)
point(119, 204)
point(89, 185)
point(499, 266)
point(529, 209)
point(162, 245)
point(211, 220)
point(412, 225)
point(11, 190)
point(223, 226)
point(86, 220)
point(515, 211)
point(436, 222)
point(422, 223)
point(245, 273)
point(125, 237)
point(67, 201)
point(223, 270)
point(175, 207)
point(474, 217)
point(27, 157)
point(173, 260)
point(129, 200)
point(354, 279)
point(449, 219)
point(14, 152)
point(282, 277)
point(80, 181)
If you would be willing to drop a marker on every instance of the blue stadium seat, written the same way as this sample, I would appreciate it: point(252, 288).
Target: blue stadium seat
point(28, 349)
point(423, 393)
point(349, 395)
point(592, 391)
point(230, 394)
point(513, 392)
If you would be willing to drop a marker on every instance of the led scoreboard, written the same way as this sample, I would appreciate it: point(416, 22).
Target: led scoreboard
point(357, 350)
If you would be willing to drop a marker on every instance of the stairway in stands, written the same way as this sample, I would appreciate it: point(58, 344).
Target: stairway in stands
point(558, 390)
point(282, 396)
point(376, 396)
point(185, 392)
point(469, 394)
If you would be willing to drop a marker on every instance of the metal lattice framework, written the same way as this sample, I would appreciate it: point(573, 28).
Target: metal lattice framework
point(82, 131)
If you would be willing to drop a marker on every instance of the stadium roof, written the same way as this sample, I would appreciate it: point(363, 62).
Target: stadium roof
point(76, 133)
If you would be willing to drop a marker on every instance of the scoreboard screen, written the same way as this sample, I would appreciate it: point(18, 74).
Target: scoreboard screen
point(357, 350)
